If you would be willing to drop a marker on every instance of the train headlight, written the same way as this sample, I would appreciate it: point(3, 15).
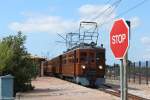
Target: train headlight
point(83, 66)
point(100, 67)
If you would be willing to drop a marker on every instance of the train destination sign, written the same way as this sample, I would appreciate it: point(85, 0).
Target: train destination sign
point(119, 38)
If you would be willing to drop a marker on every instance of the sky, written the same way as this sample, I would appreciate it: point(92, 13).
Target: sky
point(41, 20)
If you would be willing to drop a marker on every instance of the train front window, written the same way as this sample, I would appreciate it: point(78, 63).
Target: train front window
point(83, 56)
point(100, 55)
point(91, 57)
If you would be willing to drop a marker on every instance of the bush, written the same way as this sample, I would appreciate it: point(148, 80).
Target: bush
point(15, 60)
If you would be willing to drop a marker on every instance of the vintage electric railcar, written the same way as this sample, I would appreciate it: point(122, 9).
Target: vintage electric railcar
point(82, 65)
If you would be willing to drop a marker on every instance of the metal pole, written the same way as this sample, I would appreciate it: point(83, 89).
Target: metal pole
point(125, 90)
point(121, 80)
point(125, 63)
point(140, 72)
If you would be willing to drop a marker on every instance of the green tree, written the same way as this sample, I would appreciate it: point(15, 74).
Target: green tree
point(15, 60)
point(6, 55)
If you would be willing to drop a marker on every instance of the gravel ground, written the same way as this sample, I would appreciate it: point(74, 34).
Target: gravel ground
point(50, 88)
point(142, 90)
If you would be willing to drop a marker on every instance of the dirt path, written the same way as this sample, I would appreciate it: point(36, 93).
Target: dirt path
point(50, 88)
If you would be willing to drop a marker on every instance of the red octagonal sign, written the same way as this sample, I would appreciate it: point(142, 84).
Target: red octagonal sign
point(119, 38)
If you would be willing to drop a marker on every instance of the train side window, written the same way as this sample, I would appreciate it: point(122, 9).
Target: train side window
point(70, 59)
point(83, 54)
point(82, 59)
point(64, 59)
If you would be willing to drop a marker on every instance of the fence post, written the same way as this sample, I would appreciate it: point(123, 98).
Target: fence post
point(134, 72)
point(118, 72)
point(109, 72)
point(139, 72)
point(129, 68)
point(114, 71)
point(147, 72)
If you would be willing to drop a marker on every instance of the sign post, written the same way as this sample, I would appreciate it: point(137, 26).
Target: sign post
point(119, 43)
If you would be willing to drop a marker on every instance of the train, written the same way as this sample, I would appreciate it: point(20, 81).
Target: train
point(82, 65)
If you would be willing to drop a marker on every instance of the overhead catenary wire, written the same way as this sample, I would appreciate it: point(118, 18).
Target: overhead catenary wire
point(101, 13)
point(61, 36)
point(132, 8)
point(115, 5)
point(109, 7)
point(123, 13)
point(107, 3)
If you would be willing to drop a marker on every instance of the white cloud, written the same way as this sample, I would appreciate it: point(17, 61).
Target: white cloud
point(102, 14)
point(55, 24)
point(88, 10)
point(135, 22)
point(50, 24)
point(145, 40)
point(97, 13)
point(146, 55)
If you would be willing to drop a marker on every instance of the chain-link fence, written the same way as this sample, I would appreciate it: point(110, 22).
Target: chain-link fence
point(137, 72)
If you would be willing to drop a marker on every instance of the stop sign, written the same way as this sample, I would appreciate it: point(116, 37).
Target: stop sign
point(119, 38)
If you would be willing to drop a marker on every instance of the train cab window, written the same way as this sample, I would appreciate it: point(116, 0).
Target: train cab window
point(100, 55)
point(83, 56)
point(91, 56)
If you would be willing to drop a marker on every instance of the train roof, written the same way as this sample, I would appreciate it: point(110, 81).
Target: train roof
point(81, 47)
point(85, 47)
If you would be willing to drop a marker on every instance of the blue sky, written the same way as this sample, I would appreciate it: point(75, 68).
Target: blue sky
point(41, 20)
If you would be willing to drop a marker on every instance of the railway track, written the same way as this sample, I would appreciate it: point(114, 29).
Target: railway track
point(109, 89)
point(115, 92)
